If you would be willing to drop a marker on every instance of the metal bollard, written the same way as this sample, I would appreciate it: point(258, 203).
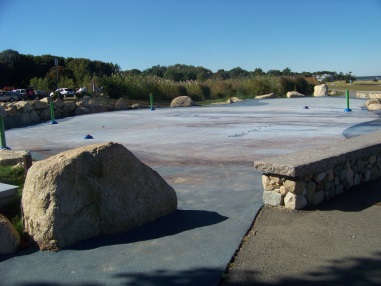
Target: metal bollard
point(3, 143)
point(347, 96)
point(52, 114)
point(27, 160)
point(151, 100)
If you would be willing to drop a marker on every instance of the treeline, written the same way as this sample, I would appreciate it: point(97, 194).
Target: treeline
point(20, 70)
point(40, 72)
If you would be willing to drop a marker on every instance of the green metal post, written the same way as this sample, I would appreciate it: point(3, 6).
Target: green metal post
point(2, 134)
point(151, 100)
point(52, 113)
point(347, 96)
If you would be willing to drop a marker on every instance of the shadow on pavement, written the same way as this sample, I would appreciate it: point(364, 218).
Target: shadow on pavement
point(355, 199)
point(349, 271)
point(198, 276)
point(179, 221)
point(364, 128)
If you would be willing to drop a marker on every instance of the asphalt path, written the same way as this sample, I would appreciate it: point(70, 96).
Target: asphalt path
point(206, 154)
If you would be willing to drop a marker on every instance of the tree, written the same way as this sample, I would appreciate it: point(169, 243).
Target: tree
point(274, 72)
point(155, 71)
point(258, 72)
point(221, 74)
point(238, 73)
point(287, 72)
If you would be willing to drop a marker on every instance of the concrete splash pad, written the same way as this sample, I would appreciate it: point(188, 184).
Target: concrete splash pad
point(206, 154)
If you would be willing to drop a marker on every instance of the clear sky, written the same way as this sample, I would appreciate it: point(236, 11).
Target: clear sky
point(304, 35)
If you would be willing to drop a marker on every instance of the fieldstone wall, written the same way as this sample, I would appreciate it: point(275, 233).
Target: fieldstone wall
point(23, 113)
point(312, 189)
point(310, 176)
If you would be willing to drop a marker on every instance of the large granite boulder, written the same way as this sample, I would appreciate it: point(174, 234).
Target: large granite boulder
point(90, 191)
point(321, 90)
point(9, 237)
point(183, 101)
point(293, 94)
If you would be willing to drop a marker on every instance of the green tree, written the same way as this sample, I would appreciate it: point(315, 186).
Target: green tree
point(238, 72)
point(287, 72)
point(274, 72)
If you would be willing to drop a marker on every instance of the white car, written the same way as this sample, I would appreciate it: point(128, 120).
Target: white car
point(66, 92)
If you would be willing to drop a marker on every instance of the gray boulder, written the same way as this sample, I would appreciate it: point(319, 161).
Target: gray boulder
point(9, 237)
point(183, 101)
point(90, 191)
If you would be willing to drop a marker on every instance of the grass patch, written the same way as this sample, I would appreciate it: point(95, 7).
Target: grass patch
point(356, 85)
point(13, 175)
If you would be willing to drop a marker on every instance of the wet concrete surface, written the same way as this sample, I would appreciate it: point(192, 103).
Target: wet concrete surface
point(206, 154)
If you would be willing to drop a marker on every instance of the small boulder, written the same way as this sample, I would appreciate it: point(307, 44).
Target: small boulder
point(234, 100)
point(46, 100)
point(321, 90)
point(138, 106)
point(374, 106)
point(121, 104)
point(371, 101)
point(295, 202)
point(59, 103)
point(81, 110)
point(183, 101)
point(9, 237)
point(38, 104)
point(293, 94)
point(90, 191)
point(269, 95)
point(3, 113)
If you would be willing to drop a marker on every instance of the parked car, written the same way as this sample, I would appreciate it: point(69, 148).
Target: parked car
point(66, 92)
point(39, 94)
point(9, 96)
point(26, 93)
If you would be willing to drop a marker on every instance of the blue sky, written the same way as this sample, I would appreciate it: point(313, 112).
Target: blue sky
point(304, 35)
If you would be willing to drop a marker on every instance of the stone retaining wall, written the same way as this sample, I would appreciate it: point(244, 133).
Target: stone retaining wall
point(22, 113)
point(313, 175)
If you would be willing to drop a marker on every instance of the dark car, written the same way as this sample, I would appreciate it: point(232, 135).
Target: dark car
point(39, 94)
point(26, 93)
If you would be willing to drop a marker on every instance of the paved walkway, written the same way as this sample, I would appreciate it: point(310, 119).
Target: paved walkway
point(206, 154)
point(335, 243)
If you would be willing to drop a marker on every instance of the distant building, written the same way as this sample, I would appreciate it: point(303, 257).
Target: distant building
point(324, 77)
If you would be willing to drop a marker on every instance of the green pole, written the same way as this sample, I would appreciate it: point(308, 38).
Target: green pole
point(347, 96)
point(52, 113)
point(2, 134)
point(151, 100)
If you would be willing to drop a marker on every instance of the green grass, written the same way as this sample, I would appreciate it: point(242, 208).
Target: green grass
point(13, 176)
point(356, 86)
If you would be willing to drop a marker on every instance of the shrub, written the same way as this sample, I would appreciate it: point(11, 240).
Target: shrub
point(286, 84)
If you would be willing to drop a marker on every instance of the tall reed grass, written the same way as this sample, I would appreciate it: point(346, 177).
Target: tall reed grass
point(140, 87)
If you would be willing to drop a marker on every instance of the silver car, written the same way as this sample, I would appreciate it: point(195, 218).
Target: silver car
point(9, 96)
